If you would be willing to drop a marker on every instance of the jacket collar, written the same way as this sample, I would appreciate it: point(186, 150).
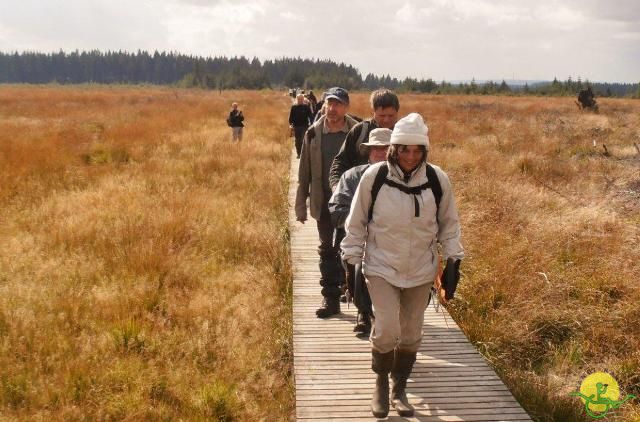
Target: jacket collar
point(396, 172)
point(345, 127)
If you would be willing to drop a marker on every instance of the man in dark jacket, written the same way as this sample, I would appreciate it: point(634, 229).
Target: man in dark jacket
point(385, 105)
point(299, 120)
point(235, 122)
point(340, 204)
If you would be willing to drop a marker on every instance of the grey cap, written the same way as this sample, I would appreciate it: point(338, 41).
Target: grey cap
point(339, 94)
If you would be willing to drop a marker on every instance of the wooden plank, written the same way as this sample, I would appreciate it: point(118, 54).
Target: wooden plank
point(438, 418)
point(451, 381)
point(420, 411)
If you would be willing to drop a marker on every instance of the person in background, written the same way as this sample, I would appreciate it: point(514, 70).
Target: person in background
point(402, 208)
point(321, 143)
point(313, 101)
point(300, 117)
point(339, 206)
point(320, 109)
point(235, 122)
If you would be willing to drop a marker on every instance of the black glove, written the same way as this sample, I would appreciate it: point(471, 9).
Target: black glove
point(450, 277)
point(361, 297)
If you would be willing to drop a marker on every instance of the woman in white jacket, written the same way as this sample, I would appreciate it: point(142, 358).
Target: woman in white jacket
point(395, 231)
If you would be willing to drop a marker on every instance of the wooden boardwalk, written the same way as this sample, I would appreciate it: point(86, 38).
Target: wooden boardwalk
point(451, 381)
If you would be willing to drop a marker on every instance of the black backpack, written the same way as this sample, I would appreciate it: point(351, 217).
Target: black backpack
point(432, 183)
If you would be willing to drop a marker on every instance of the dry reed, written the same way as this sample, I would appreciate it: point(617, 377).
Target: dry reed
point(145, 274)
point(145, 270)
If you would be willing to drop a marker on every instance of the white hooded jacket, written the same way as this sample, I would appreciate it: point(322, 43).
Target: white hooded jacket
point(396, 245)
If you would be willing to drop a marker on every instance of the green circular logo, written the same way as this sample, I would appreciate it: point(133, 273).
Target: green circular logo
point(599, 392)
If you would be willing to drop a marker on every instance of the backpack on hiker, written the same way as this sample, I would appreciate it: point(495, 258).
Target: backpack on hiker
point(432, 183)
point(449, 279)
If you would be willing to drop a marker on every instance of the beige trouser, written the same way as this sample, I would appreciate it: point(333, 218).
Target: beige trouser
point(236, 134)
point(399, 314)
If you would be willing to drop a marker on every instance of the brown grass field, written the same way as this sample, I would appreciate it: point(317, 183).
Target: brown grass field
point(144, 272)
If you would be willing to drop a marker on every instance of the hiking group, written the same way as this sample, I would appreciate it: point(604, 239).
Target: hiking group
point(384, 216)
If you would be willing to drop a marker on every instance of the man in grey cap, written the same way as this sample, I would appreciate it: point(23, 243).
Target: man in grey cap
point(320, 145)
point(339, 205)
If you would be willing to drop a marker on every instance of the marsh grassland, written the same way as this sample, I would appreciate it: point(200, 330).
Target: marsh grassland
point(144, 271)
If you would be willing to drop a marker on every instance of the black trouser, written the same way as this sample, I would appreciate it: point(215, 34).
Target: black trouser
point(359, 292)
point(331, 272)
point(298, 132)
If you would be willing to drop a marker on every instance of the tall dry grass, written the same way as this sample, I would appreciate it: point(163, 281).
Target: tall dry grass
point(144, 271)
point(551, 226)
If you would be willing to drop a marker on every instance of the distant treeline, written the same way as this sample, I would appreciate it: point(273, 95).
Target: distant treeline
point(240, 72)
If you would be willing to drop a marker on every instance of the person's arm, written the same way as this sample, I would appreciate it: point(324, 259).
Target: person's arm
point(358, 219)
point(346, 158)
point(449, 238)
point(340, 202)
point(291, 117)
point(309, 116)
point(304, 180)
point(448, 221)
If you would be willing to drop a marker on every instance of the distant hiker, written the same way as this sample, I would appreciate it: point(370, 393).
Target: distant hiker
point(319, 111)
point(321, 143)
point(313, 101)
point(385, 106)
point(299, 120)
point(339, 205)
point(401, 208)
point(235, 122)
point(587, 99)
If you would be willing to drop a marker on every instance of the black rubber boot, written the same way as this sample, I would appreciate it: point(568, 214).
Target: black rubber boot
point(381, 364)
point(402, 366)
point(330, 306)
point(363, 323)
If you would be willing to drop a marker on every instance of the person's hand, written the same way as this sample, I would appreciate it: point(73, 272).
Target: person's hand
point(442, 294)
point(301, 219)
point(353, 260)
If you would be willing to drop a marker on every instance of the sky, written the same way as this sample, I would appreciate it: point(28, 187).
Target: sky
point(440, 39)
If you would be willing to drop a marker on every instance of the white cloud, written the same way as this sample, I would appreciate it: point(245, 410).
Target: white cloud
point(407, 13)
point(289, 15)
point(452, 39)
point(562, 17)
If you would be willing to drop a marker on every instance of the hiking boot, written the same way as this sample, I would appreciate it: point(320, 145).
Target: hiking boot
point(363, 323)
point(381, 364)
point(330, 306)
point(402, 366)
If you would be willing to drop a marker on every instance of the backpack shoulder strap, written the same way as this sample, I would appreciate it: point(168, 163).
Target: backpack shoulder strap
point(310, 133)
point(381, 176)
point(314, 131)
point(436, 188)
point(363, 134)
